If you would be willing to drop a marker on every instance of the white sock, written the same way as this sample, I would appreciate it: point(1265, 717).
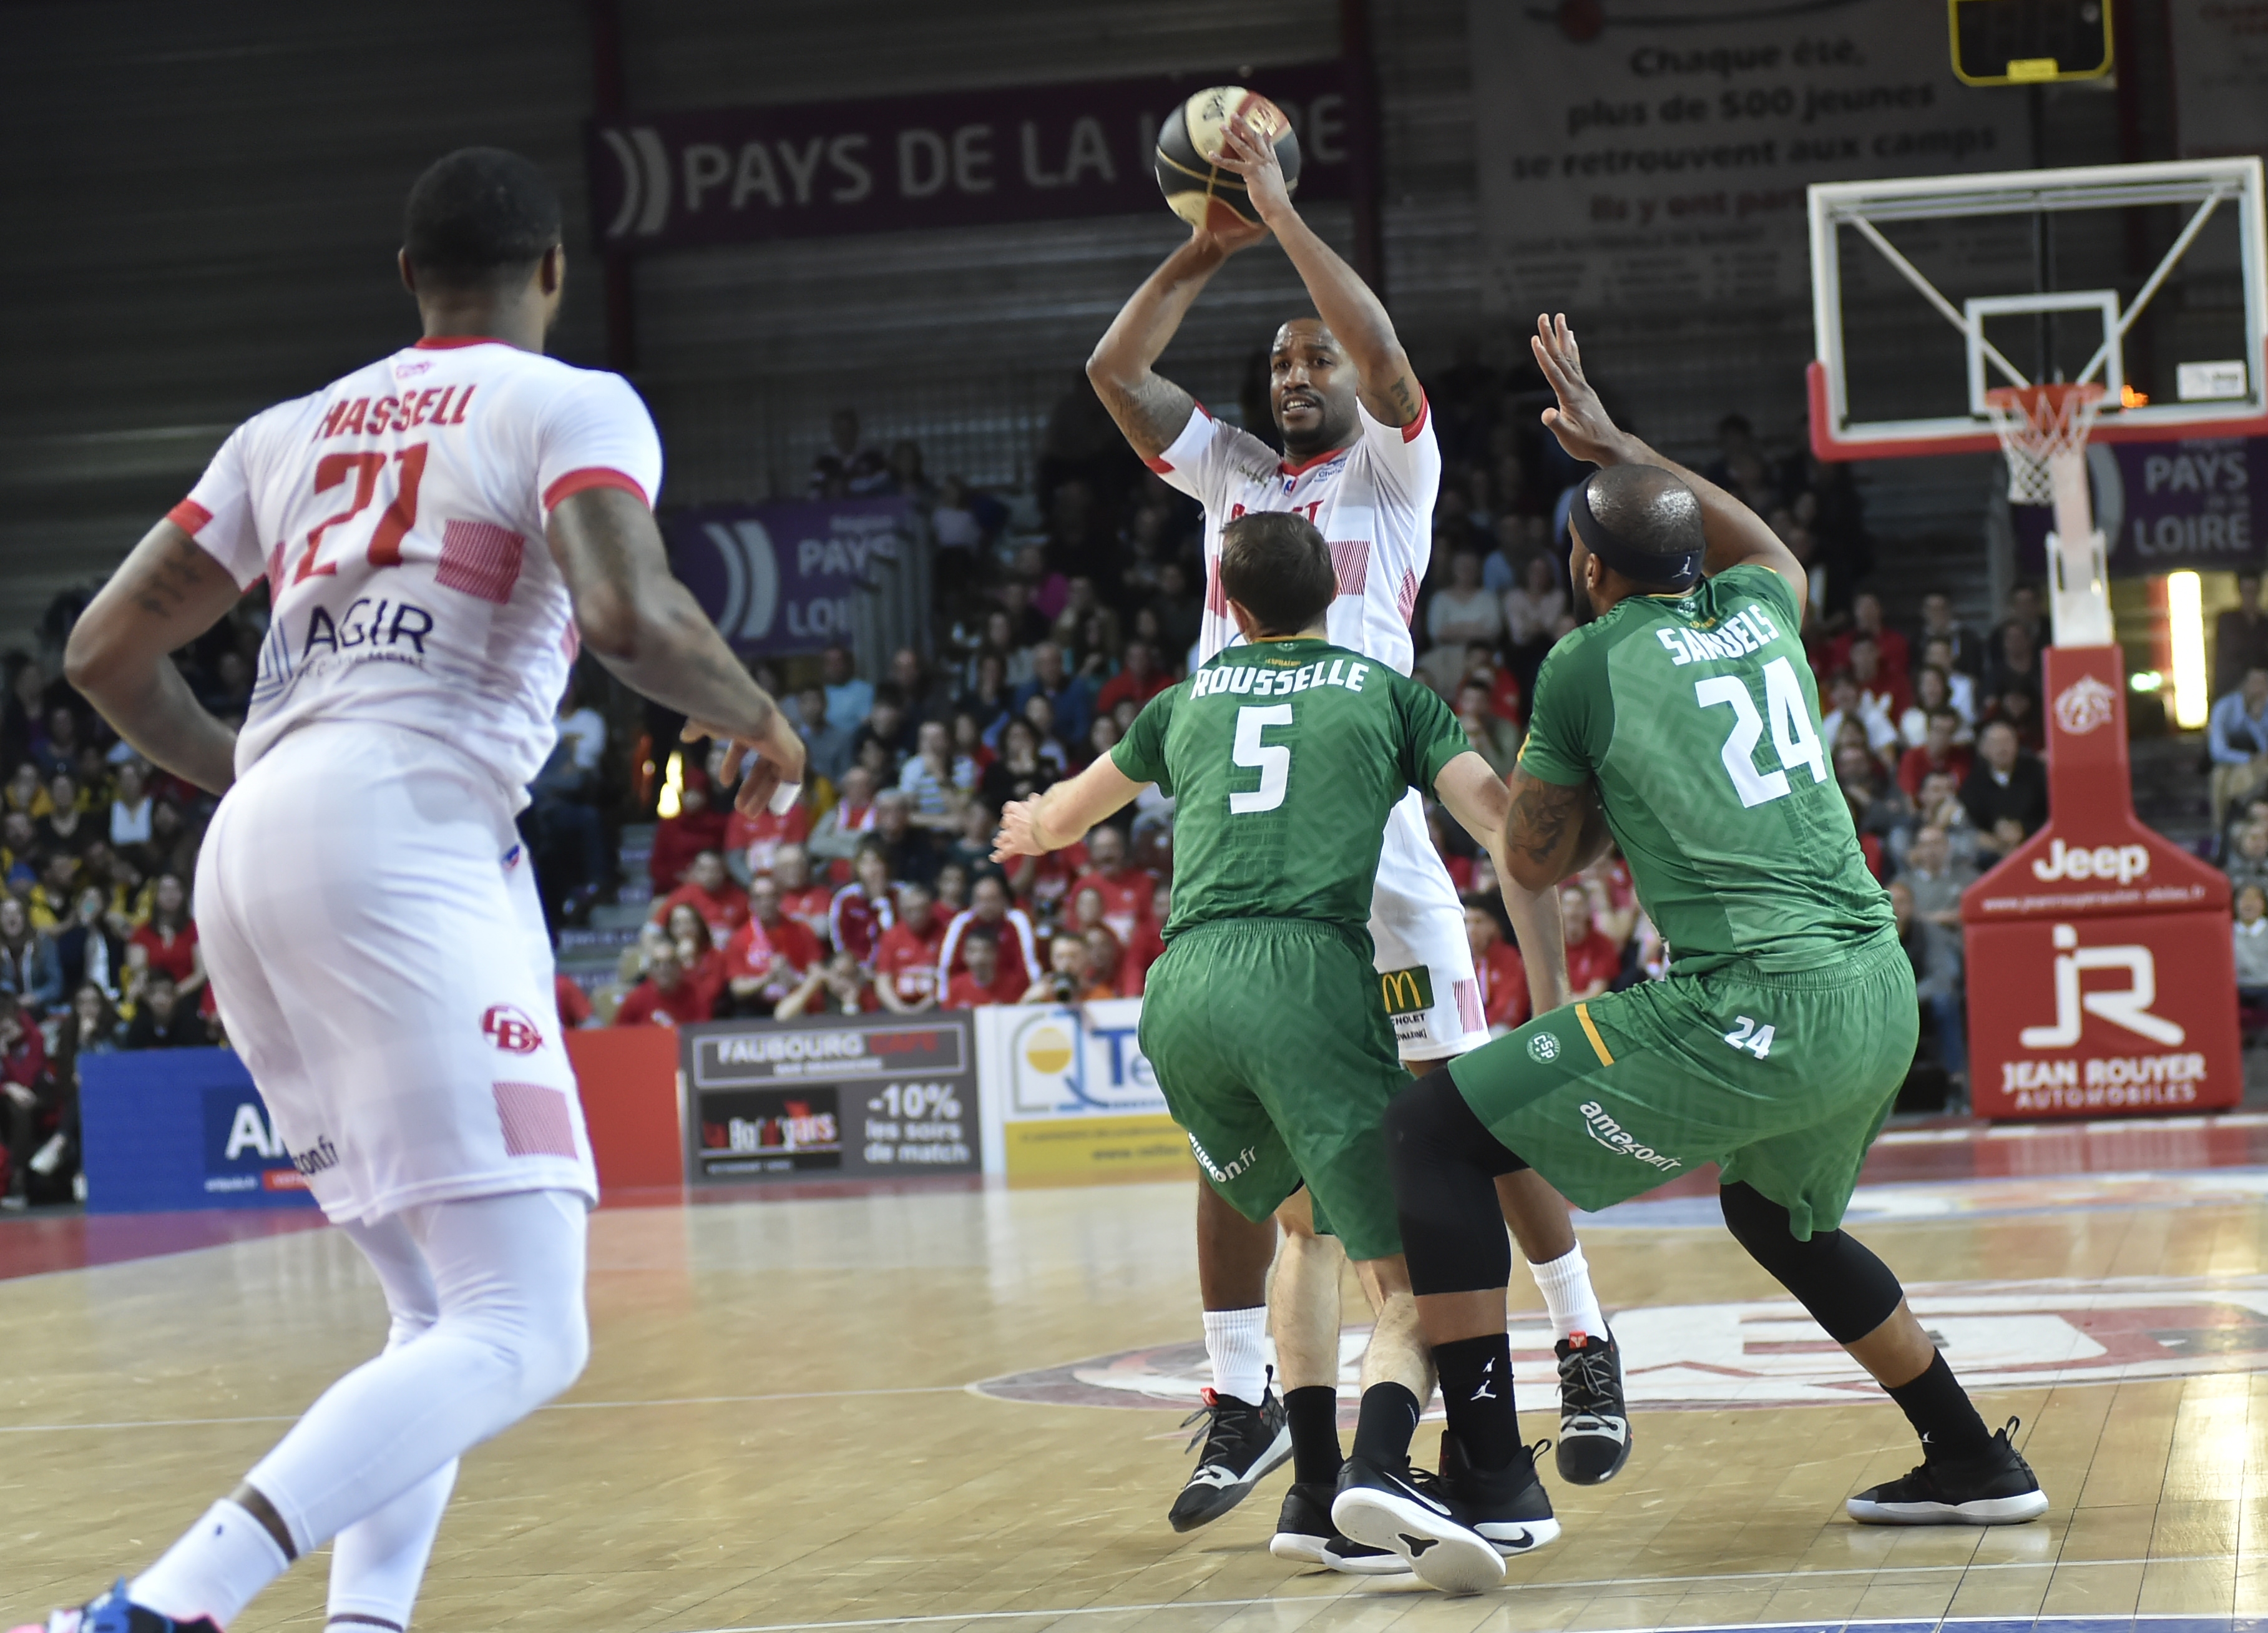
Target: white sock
point(214, 1570)
point(1236, 1341)
point(1565, 1284)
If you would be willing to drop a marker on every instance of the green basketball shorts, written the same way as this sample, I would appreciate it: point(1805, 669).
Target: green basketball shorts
point(1276, 1057)
point(1783, 1081)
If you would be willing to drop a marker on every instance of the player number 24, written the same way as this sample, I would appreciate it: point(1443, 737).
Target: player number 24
point(1746, 1034)
point(1791, 729)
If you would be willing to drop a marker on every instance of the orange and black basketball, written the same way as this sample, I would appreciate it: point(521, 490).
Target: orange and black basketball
point(1190, 173)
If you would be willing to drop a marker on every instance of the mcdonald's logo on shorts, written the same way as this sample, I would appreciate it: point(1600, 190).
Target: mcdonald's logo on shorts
point(1406, 992)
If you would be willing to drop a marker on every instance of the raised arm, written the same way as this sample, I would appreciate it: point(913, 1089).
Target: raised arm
point(647, 629)
point(1736, 535)
point(1343, 300)
point(1150, 409)
point(168, 592)
point(1064, 813)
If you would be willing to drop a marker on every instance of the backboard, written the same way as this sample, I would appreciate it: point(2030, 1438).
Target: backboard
point(2029, 42)
point(2151, 280)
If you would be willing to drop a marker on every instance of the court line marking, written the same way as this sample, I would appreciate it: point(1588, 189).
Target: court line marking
point(556, 1405)
point(1793, 1576)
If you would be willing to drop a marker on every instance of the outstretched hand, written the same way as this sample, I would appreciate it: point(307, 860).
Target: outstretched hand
point(1580, 420)
point(1244, 151)
point(774, 757)
point(1019, 832)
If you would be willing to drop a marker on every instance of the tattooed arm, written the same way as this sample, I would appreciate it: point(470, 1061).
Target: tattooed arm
point(647, 629)
point(168, 593)
point(1150, 409)
point(1553, 830)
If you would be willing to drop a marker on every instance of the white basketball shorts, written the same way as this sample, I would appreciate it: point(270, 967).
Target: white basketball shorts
point(376, 946)
point(1417, 927)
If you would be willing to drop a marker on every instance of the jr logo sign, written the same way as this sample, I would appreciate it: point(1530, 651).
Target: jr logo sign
point(2129, 1008)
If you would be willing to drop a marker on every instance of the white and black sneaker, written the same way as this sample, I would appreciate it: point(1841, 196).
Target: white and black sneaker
point(1594, 1431)
point(1508, 1505)
point(1304, 1534)
point(1994, 1487)
point(1243, 1444)
point(1407, 1512)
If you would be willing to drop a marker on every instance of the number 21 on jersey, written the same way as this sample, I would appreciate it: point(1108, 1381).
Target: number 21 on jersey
point(1791, 729)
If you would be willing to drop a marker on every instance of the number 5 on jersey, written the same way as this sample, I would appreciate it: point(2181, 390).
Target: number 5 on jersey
point(1791, 727)
point(1271, 760)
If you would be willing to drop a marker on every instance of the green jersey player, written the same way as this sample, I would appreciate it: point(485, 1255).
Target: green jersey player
point(1263, 1018)
point(1684, 715)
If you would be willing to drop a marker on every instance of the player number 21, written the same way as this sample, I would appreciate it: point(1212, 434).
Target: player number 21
point(1791, 729)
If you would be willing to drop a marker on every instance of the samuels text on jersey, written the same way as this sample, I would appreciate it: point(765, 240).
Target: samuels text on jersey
point(398, 515)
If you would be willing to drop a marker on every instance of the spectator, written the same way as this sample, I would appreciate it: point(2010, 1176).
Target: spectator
point(666, 997)
point(1494, 738)
point(971, 754)
point(1124, 891)
point(2236, 738)
point(2248, 859)
point(88, 950)
point(1593, 961)
point(1961, 688)
point(989, 695)
point(711, 892)
point(2250, 929)
point(905, 960)
point(986, 978)
point(990, 909)
point(162, 1021)
point(678, 839)
point(1934, 880)
point(1962, 652)
point(19, 852)
point(769, 955)
point(1936, 960)
point(849, 467)
point(1180, 610)
point(129, 809)
point(30, 970)
point(1067, 979)
point(1884, 691)
point(836, 836)
point(802, 899)
point(839, 986)
point(1933, 690)
point(1939, 806)
point(48, 902)
point(886, 725)
point(1139, 680)
point(1021, 773)
point(1894, 654)
point(753, 843)
point(168, 941)
point(1849, 704)
point(1069, 701)
point(2240, 636)
point(826, 746)
point(24, 1095)
point(607, 997)
point(971, 850)
point(2015, 664)
point(2020, 707)
point(1148, 945)
point(66, 827)
point(2005, 794)
point(907, 851)
point(933, 792)
point(700, 953)
point(91, 1029)
point(1497, 962)
point(849, 698)
point(1938, 750)
point(571, 1002)
point(1462, 611)
point(865, 907)
point(1105, 958)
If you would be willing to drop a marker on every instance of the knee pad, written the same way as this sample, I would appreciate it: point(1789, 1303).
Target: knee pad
point(1445, 1163)
point(1847, 1289)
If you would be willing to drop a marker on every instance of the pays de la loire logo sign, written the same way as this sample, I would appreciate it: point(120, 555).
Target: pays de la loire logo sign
point(2084, 705)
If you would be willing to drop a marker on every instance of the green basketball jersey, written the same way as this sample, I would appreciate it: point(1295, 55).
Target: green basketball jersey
point(1697, 717)
point(1285, 758)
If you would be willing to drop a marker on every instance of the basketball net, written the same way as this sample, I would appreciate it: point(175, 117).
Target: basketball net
point(2044, 431)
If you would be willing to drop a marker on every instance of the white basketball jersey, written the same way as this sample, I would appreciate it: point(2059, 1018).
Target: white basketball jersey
point(398, 516)
point(1373, 501)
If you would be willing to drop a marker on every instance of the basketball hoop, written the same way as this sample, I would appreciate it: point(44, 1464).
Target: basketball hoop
point(2037, 424)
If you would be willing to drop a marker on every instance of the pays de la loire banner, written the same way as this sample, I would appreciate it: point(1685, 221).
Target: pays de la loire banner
point(784, 579)
point(2164, 507)
point(1654, 157)
point(1042, 152)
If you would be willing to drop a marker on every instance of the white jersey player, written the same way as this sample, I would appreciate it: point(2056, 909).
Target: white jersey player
point(440, 531)
point(1361, 463)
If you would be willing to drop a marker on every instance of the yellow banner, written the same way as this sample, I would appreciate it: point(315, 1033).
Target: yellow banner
point(1096, 1150)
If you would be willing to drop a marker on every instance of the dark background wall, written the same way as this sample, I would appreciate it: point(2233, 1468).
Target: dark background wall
point(206, 203)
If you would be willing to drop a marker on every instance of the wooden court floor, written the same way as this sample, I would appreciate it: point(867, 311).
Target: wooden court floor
point(777, 1429)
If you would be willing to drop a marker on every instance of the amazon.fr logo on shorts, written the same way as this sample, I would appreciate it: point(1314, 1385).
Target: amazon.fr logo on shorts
point(1621, 1141)
point(511, 1030)
point(1222, 1173)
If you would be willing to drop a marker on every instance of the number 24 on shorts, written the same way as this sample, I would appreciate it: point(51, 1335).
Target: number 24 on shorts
point(1746, 1034)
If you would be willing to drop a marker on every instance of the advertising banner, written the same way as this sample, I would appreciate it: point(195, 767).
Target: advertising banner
point(1069, 1098)
point(168, 1129)
point(856, 1096)
point(2164, 507)
point(1655, 157)
point(737, 175)
point(2220, 62)
point(780, 579)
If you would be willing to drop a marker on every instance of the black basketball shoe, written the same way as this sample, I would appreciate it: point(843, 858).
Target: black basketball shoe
point(1243, 1444)
point(1507, 1505)
point(1995, 1487)
point(1304, 1533)
point(113, 1614)
point(1407, 1510)
point(1595, 1432)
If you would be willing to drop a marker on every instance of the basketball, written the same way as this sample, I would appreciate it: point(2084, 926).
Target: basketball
point(1200, 190)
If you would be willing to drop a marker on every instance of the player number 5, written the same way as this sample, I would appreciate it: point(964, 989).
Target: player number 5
point(1271, 760)
point(1791, 727)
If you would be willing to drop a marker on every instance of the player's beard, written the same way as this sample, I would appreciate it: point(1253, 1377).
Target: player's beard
point(1332, 433)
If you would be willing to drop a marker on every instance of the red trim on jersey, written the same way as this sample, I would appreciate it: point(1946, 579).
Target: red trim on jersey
point(1410, 432)
point(592, 477)
point(450, 343)
point(1290, 469)
point(188, 516)
point(1164, 468)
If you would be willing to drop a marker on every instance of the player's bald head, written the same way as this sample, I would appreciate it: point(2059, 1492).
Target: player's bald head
point(1654, 518)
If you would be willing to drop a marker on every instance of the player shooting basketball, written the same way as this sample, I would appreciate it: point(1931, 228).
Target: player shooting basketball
point(1362, 464)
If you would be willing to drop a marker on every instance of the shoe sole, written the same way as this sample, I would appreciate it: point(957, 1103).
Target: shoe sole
point(1368, 1565)
point(2007, 1511)
point(1279, 1453)
point(1444, 1554)
point(1576, 1476)
point(1299, 1547)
